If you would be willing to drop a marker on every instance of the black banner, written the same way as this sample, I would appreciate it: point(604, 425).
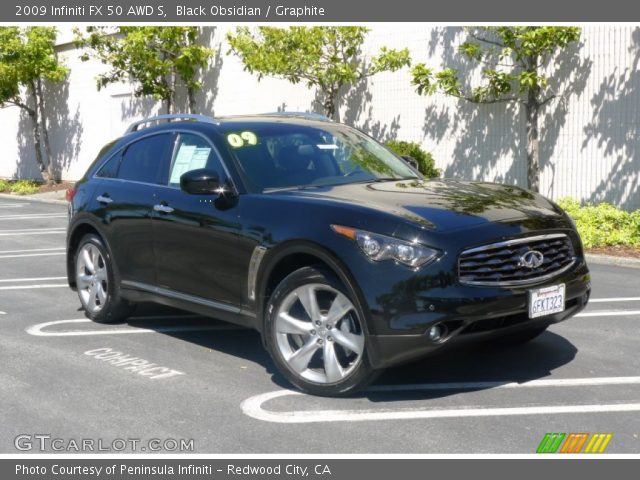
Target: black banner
point(320, 11)
point(333, 469)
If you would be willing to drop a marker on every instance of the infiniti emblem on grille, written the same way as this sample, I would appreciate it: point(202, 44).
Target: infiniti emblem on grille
point(532, 259)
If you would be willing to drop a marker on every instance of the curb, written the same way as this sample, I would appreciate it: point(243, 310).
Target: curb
point(31, 198)
point(627, 262)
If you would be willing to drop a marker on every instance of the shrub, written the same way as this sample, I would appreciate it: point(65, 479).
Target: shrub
point(24, 187)
point(603, 224)
point(426, 163)
point(4, 185)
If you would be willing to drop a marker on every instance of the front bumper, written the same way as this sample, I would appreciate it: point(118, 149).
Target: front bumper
point(468, 314)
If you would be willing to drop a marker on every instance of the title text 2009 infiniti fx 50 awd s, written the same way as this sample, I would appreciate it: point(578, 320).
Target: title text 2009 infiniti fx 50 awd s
point(343, 256)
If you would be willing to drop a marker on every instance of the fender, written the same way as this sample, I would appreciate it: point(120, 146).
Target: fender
point(81, 220)
point(292, 247)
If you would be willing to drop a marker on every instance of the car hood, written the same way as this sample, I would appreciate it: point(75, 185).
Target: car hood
point(441, 204)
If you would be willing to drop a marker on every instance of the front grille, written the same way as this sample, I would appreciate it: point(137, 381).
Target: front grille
point(501, 264)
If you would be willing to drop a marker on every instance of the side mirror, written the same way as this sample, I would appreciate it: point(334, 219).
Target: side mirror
point(202, 181)
point(411, 161)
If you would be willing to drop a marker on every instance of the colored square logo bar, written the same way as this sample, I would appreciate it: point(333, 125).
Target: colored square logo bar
point(574, 443)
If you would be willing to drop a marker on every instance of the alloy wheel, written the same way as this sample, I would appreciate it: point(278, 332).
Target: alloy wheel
point(91, 278)
point(318, 333)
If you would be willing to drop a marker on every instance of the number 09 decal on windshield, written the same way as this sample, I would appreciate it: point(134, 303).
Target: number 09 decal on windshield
point(237, 140)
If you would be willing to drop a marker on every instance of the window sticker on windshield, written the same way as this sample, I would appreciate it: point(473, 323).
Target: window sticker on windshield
point(240, 140)
point(327, 147)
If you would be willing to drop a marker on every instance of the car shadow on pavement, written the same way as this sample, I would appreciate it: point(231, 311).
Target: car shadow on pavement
point(237, 341)
point(484, 362)
point(474, 364)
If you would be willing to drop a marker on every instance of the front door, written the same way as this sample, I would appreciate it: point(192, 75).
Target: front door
point(196, 236)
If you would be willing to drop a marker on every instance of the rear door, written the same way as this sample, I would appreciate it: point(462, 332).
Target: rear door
point(126, 191)
point(196, 236)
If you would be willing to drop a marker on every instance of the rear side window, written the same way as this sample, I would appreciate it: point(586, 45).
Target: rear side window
point(110, 169)
point(142, 161)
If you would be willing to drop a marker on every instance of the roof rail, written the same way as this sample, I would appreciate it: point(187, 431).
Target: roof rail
point(307, 115)
point(134, 127)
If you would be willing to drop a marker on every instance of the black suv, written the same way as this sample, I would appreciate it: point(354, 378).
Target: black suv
point(338, 251)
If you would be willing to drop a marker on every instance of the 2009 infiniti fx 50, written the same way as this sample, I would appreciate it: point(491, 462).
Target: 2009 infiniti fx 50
point(343, 256)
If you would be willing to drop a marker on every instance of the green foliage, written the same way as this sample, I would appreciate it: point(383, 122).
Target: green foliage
point(426, 163)
point(26, 55)
point(154, 57)
point(325, 58)
point(512, 58)
point(28, 59)
point(4, 185)
point(603, 224)
point(24, 187)
point(515, 63)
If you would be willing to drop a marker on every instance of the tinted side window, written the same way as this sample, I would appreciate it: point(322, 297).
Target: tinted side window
point(192, 152)
point(142, 161)
point(110, 169)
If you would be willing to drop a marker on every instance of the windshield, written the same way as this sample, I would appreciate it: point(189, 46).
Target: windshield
point(280, 155)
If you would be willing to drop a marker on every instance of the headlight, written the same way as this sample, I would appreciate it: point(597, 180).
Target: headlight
point(380, 247)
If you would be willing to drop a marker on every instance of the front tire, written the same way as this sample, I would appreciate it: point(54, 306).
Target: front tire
point(315, 334)
point(96, 283)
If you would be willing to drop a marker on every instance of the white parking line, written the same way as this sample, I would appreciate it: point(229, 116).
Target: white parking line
point(34, 287)
point(3, 252)
point(13, 205)
point(614, 299)
point(36, 279)
point(49, 254)
point(32, 216)
point(3, 313)
point(34, 252)
point(609, 313)
point(31, 231)
point(37, 330)
point(252, 406)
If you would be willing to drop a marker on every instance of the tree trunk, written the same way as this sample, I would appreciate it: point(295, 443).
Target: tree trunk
point(51, 174)
point(191, 95)
point(329, 103)
point(35, 125)
point(532, 109)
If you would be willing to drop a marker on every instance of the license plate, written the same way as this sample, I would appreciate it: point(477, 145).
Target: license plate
point(546, 301)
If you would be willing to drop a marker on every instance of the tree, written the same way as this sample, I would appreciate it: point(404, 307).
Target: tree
point(156, 58)
point(28, 59)
point(515, 62)
point(326, 58)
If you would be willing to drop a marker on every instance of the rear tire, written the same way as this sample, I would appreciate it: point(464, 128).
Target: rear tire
point(315, 334)
point(97, 283)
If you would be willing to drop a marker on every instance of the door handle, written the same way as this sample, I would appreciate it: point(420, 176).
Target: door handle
point(162, 208)
point(104, 199)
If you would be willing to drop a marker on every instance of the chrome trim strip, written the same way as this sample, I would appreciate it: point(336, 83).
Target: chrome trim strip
point(254, 266)
point(528, 281)
point(515, 241)
point(166, 292)
point(177, 130)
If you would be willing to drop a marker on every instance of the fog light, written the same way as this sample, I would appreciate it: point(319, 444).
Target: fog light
point(435, 333)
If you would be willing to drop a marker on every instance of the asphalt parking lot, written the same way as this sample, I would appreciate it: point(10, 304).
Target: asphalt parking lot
point(213, 383)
